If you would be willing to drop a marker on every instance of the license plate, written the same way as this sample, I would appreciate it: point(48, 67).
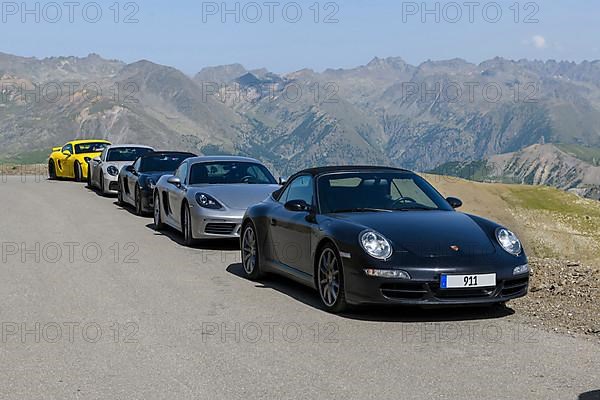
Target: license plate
point(467, 281)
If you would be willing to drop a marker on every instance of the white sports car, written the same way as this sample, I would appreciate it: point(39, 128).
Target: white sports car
point(103, 171)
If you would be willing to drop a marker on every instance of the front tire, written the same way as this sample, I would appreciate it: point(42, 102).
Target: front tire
point(89, 178)
point(102, 192)
point(78, 172)
point(51, 170)
point(120, 201)
point(186, 226)
point(330, 280)
point(138, 202)
point(158, 224)
point(250, 252)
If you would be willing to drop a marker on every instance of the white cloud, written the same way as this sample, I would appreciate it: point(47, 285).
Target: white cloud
point(539, 41)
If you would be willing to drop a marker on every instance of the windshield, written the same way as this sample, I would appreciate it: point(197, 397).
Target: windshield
point(227, 172)
point(86, 148)
point(162, 162)
point(377, 191)
point(126, 153)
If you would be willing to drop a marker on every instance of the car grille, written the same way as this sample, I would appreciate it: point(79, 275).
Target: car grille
point(403, 290)
point(431, 290)
point(113, 186)
point(515, 286)
point(219, 229)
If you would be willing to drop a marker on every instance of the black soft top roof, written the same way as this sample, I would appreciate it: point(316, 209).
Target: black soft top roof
point(347, 168)
point(166, 153)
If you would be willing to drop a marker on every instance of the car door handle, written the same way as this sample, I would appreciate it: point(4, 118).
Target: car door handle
point(273, 222)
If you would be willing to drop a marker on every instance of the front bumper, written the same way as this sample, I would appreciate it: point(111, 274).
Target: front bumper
point(215, 224)
point(424, 287)
point(111, 184)
point(147, 199)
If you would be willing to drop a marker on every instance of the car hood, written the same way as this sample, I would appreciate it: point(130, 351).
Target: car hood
point(426, 233)
point(236, 196)
point(118, 164)
point(154, 175)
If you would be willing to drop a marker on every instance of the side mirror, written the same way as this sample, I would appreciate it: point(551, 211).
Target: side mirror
point(174, 181)
point(130, 168)
point(67, 153)
point(297, 206)
point(454, 202)
point(282, 180)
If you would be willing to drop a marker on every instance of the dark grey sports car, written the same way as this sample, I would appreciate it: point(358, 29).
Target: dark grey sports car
point(136, 182)
point(364, 235)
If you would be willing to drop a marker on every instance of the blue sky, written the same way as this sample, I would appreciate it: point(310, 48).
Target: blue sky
point(190, 34)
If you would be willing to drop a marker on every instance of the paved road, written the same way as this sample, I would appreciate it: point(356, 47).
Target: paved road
point(96, 305)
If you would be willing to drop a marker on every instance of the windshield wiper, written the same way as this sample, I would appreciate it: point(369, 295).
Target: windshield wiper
point(361, 209)
point(416, 208)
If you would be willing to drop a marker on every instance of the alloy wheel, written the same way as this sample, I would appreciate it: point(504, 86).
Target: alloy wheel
point(51, 170)
point(157, 221)
point(187, 226)
point(120, 196)
point(78, 172)
point(249, 252)
point(329, 277)
point(138, 202)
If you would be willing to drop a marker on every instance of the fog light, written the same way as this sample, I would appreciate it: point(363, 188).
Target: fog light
point(387, 273)
point(521, 269)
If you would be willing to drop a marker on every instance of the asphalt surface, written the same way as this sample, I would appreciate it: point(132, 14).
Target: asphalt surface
point(96, 305)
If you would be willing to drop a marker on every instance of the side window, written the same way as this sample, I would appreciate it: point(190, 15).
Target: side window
point(300, 188)
point(68, 147)
point(181, 172)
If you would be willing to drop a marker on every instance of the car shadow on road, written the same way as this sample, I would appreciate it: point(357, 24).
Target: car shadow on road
point(131, 210)
point(215, 245)
point(379, 313)
point(593, 395)
point(97, 192)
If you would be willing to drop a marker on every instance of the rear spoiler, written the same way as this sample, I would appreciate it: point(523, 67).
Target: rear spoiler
point(56, 149)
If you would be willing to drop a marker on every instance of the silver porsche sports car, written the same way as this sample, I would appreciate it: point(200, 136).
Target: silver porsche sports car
point(103, 171)
point(207, 197)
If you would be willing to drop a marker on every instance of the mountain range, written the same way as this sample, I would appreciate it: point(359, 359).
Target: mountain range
point(387, 112)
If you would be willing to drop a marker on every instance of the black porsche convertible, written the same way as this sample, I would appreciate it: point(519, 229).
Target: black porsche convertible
point(372, 235)
point(136, 182)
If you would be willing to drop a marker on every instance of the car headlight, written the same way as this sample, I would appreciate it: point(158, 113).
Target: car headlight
point(509, 241)
point(112, 170)
point(207, 201)
point(375, 245)
point(150, 183)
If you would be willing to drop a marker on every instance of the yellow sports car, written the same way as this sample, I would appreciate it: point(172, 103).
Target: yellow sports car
point(71, 160)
